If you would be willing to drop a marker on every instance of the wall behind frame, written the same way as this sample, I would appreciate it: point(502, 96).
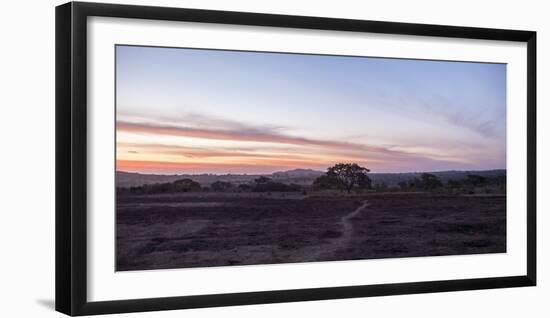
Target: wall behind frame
point(27, 158)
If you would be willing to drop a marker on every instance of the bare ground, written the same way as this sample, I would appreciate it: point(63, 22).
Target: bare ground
point(175, 231)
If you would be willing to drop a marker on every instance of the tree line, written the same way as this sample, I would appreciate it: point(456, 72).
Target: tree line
point(344, 177)
point(261, 184)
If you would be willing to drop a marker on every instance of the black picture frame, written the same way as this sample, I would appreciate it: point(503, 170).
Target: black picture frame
point(71, 157)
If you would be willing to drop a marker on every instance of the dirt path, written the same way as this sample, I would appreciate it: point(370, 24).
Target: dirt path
point(315, 253)
point(348, 227)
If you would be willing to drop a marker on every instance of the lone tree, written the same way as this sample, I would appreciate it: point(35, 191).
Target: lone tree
point(345, 176)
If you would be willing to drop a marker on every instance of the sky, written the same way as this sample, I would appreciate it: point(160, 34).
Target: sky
point(191, 111)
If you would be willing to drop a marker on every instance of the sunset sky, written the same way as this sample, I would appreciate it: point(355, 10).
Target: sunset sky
point(211, 111)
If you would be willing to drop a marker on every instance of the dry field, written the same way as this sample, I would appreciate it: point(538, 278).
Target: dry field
point(217, 229)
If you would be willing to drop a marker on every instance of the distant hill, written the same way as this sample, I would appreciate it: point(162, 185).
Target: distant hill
point(297, 173)
point(297, 176)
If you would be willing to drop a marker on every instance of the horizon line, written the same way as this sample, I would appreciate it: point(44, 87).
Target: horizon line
point(282, 171)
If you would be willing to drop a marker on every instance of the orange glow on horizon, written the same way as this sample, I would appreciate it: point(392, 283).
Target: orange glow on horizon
point(168, 149)
point(200, 168)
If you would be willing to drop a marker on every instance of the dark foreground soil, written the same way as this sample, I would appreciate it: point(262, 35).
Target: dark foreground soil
point(198, 230)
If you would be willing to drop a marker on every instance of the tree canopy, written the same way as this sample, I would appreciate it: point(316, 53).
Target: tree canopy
point(264, 184)
point(181, 185)
point(344, 176)
point(430, 181)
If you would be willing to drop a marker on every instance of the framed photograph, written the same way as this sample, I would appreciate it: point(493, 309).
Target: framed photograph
point(210, 158)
